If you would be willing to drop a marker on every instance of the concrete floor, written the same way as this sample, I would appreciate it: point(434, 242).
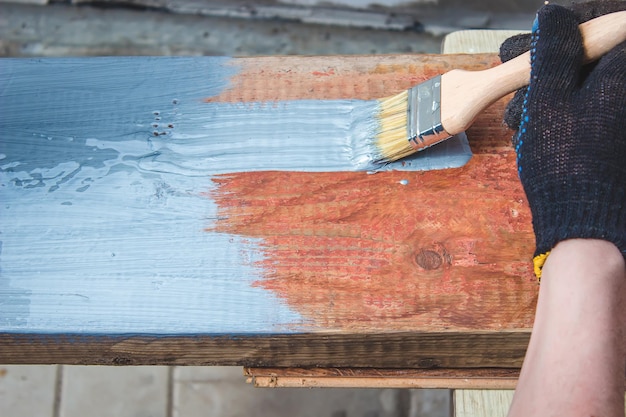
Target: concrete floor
point(78, 391)
point(160, 391)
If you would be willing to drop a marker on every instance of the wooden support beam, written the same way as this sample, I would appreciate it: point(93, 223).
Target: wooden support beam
point(419, 350)
point(439, 378)
point(482, 403)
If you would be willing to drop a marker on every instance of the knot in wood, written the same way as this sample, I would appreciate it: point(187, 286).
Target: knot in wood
point(428, 259)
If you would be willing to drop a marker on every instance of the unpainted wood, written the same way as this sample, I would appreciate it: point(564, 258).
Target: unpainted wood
point(488, 378)
point(476, 41)
point(341, 350)
point(482, 403)
point(380, 382)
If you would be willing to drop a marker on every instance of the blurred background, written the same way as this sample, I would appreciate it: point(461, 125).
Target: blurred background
point(34, 28)
point(246, 28)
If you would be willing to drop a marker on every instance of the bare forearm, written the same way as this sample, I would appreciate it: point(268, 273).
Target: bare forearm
point(576, 360)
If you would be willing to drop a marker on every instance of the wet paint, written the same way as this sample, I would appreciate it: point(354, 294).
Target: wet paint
point(301, 135)
point(90, 239)
point(114, 220)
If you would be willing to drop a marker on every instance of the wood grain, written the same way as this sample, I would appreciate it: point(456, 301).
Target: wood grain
point(392, 270)
point(362, 77)
point(352, 251)
point(464, 378)
point(362, 252)
point(423, 350)
point(482, 403)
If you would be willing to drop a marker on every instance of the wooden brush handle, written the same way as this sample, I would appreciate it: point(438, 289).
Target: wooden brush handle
point(464, 94)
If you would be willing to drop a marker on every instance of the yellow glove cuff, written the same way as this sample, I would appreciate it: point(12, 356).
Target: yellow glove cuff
point(538, 262)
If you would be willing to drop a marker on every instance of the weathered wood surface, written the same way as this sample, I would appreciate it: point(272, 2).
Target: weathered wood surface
point(392, 270)
point(447, 251)
point(418, 349)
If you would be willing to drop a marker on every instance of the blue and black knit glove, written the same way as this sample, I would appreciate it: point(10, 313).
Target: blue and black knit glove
point(571, 142)
point(518, 44)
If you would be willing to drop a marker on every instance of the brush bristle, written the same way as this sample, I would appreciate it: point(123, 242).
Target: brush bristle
point(392, 139)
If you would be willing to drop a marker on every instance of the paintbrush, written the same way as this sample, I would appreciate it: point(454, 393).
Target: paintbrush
point(446, 105)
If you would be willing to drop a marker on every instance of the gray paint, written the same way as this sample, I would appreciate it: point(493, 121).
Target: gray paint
point(90, 241)
point(306, 135)
point(105, 167)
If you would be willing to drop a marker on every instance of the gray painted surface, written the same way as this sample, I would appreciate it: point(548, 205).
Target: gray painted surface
point(92, 241)
point(106, 166)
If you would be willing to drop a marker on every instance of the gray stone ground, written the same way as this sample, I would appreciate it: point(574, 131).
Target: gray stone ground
point(77, 391)
point(160, 391)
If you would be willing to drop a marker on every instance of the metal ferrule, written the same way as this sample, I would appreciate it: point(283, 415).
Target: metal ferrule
point(424, 114)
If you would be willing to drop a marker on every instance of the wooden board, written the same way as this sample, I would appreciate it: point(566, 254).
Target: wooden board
point(337, 269)
point(439, 378)
point(476, 41)
point(444, 223)
point(482, 403)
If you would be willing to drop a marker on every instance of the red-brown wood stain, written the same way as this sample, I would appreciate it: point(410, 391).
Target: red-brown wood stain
point(393, 251)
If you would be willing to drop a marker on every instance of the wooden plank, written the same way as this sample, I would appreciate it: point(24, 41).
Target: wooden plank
point(468, 378)
point(482, 403)
point(427, 349)
point(325, 218)
point(116, 250)
point(476, 41)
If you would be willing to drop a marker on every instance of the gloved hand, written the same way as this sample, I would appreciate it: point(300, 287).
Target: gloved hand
point(517, 45)
point(571, 142)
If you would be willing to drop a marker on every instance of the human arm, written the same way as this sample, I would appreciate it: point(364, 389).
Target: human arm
point(571, 153)
point(576, 358)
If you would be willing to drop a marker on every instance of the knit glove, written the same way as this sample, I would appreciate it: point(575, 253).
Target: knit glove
point(518, 44)
point(571, 141)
